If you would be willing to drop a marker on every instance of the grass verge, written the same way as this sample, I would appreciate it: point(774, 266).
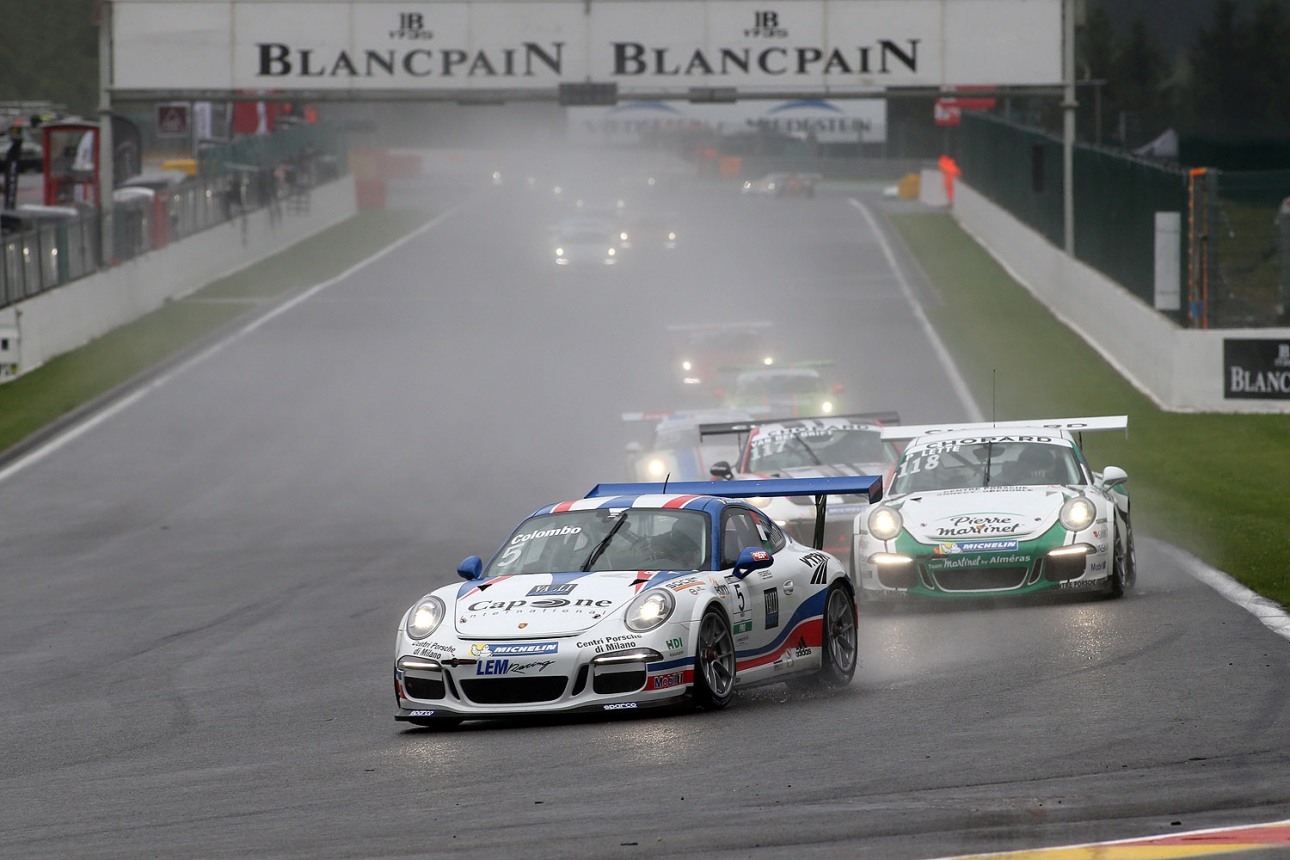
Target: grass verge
point(1216, 485)
point(37, 399)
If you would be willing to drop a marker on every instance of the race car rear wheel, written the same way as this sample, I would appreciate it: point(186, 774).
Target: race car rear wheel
point(714, 662)
point(839, 644)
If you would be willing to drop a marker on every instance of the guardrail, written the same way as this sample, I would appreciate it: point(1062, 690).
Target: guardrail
point(45, 247)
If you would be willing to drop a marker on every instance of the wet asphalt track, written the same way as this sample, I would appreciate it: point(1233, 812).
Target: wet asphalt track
point(198, 597)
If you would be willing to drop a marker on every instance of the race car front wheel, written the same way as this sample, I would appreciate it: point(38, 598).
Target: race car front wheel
point(714, 662)
point(1125, 566)
point(839, 643)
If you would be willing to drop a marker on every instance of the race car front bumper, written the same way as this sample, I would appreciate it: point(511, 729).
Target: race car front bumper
point(428, 690)
point(1029, 569)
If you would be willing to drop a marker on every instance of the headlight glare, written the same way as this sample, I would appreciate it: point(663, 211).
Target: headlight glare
point(826, 407)
point(1078, 514)
point(425, 617)
point(885, 523)
point(649, 610)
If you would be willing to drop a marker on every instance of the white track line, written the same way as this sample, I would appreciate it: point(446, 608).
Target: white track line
point(75, 432)
point(1270, 613)
point(956, 380)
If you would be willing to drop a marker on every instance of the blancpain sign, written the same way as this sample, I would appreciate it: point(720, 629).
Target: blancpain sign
point(844, 46)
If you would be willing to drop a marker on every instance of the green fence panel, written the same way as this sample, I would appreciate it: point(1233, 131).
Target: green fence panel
point(1115, 199)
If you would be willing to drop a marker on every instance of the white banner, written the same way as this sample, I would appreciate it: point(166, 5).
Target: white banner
point(843, 121)
point(759, 47)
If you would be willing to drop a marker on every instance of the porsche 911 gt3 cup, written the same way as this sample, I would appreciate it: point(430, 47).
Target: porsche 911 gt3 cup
point(796, 389)
point(995, 510)
point(829, 446)
point(636, 596)
point(676, 450)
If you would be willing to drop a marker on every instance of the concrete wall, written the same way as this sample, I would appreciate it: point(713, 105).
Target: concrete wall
point(69, 316)
point(1180, 369)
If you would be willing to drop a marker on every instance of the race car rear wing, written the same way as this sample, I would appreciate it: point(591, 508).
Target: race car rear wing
point(742, 427)
point(869, 486)
point(1070, 425)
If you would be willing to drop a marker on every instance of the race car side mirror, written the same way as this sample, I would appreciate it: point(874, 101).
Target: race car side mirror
point(752, 558)
point(471, 568)
point(1113, 476)
point(721, 471)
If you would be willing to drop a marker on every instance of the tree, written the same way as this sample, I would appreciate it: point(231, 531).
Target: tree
point(49, 52)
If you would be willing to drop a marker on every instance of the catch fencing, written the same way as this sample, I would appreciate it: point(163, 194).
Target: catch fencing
point(1234, 257)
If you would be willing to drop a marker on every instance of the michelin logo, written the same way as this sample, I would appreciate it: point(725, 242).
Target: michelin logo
point(955, 547)
point(526, 649)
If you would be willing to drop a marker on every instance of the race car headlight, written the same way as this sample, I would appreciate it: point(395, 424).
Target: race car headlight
point(425, 618)
point(649, 610)
point(826, 407)
point(1078, 514)
point(687, 365)
point(657, 467)
point(885, 523)
point(559, 252)
point(611, 252)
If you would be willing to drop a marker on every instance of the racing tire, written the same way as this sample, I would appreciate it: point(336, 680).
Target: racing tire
point(1125, 567)
point(839, 642)
point(714, 662)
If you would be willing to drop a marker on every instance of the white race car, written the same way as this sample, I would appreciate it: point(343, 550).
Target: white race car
point(822, 447)
point(635, 596)
point(996, 510)
point(676, 451)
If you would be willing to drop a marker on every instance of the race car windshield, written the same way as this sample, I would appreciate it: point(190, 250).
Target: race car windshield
point(833, 446)
point(601, 539)
point(963, 464)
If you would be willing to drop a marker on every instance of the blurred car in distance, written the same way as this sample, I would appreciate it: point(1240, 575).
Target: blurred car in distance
point(793, 391)
point(783, 185)
point(675, 450)
point(706, 356)
point(585, 243)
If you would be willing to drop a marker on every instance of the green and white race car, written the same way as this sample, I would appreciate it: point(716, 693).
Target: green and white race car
point(995, 510)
